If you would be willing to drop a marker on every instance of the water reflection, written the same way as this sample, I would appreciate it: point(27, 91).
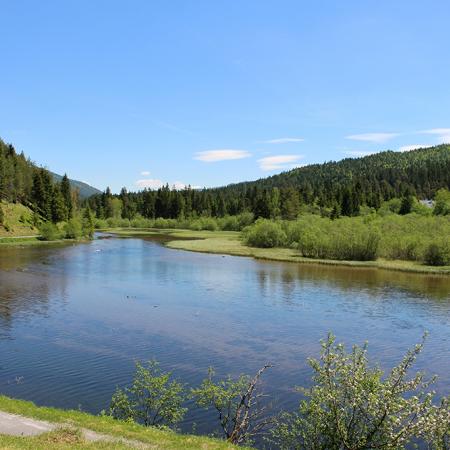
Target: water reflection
point(73, 319)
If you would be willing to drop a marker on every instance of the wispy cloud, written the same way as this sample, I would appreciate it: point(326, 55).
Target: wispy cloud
point(150, 183)
point(279, 162)
point(357, 153)
point(408, 148)
point(284, 140)
point(439, 131)
point(145, 173)
point(221, 155)
point(373, 137)
point(442, 133)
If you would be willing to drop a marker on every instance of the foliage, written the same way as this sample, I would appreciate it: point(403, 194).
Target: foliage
point(49, 232)
point(73, 229)
point(237, 403)
point(438, 254)
point(2, 215)
point(153, 398)
point(88, 223)
point(353, 406)
point(442, 202)
point(265, 233)
point(362, 238)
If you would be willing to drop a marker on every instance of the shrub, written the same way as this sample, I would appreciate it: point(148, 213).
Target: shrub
point(235, 401)
point(204, 223)
point(265, 233)
point(437, 254)
point(352, 405)
point(153, 398)
point(73, 229)
point(49, 232)
point(229, 223)
point(2, 215)
point(442, 202)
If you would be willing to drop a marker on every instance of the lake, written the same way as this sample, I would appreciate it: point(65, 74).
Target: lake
point(73, 319)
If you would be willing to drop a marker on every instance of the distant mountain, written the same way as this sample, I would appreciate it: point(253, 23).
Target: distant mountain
point(85, 190)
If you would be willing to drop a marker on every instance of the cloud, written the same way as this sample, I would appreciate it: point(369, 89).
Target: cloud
point(221, 155)
point(442, 133)
point(358, 153)
point(279, 162)
point(285, 140)
point(408, 148)
point(150, 183)
point(145, 173)
point(373, 137)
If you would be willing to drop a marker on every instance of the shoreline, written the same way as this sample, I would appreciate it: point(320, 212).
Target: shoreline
point(229, 243)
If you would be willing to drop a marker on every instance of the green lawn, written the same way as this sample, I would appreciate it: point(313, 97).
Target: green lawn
point(229, 243)
point(67, 439)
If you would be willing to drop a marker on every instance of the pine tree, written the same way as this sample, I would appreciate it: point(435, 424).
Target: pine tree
point(67, 195)
point(59, 208)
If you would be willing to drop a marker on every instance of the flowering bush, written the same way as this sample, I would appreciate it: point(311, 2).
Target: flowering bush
point(353, 406)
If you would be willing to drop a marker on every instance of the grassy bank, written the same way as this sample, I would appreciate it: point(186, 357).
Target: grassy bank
point(149, 437)
point(230, 243)
point(17, 220)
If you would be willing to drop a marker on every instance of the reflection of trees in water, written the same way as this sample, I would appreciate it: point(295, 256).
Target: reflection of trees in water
point(23, 295)
point(290, 277)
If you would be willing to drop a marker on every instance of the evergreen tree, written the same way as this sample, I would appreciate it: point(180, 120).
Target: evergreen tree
point(290, 205)
point(58, 206)
point(406, 205)
point(67, 195)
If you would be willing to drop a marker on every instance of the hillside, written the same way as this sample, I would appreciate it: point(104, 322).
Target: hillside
point(17, 221)
point(422, 172)
point(332, 188)
point(84, 190)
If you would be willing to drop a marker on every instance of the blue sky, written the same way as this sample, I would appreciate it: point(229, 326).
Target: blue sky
point(207, 92)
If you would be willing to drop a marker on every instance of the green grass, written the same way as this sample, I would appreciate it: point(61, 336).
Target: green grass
point(63, 438)
point(17, 221)
point(154, 437)
point(230, 243)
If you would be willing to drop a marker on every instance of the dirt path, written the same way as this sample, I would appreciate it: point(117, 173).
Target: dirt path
point(15, 425)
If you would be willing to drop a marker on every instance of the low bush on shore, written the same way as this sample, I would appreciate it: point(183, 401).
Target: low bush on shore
point(365, 238)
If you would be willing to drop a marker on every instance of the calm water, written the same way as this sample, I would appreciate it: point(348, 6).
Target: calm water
point(73, 319)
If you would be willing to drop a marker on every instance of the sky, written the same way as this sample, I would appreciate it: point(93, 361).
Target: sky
point(206, 93)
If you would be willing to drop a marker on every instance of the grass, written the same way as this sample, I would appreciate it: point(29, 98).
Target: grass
point(229, 242)
point(63, 438)
point(153, 437)
point(17, 221)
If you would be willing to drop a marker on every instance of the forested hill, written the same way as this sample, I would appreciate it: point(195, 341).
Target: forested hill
point(84, 190)
point(421, 171)
point(333, 188)
point(50, 196)
point(372, 178)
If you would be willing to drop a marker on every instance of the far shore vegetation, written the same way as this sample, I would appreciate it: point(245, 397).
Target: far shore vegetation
point(390, 210)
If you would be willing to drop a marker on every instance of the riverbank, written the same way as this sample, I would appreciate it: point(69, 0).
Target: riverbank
point(71, 429)
point(229, 243)
point(27, 241)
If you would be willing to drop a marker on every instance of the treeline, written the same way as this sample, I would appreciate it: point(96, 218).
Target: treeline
point(332, 189)
point(21, 181)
